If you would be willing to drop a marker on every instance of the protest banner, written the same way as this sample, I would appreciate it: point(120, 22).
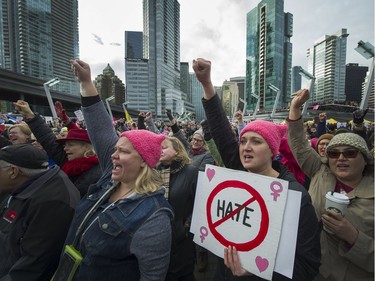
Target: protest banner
point(246, 210)
point(79, 115)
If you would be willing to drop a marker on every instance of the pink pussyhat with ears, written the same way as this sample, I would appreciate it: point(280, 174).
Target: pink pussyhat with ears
point(271, 132)
point(148, 144)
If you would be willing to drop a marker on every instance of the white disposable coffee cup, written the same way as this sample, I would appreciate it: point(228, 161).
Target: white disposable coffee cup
point(336, 202)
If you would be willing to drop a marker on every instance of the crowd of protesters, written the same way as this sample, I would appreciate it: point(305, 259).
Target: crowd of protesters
point(137, 184)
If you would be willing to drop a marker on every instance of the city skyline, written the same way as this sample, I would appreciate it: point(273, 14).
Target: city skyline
point(216, 30)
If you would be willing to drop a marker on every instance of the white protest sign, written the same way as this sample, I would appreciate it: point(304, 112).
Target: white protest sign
point(240, 209)
point(288, 239)
point(79, 115)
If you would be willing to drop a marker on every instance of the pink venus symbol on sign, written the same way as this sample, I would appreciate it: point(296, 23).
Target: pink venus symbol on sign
point(276, 192)
point(210, 173)
point(204, 233)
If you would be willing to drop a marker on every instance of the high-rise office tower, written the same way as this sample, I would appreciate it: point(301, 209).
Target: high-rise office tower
point(327, 62)
point(268, 54)
point(354, 77)
point(230, 97)
point(196, 95)
point(241, 90)
point(133, 45)
point(161, 48)
point(157, 80)
point(296, 79)
point(136, 73)
point(38, 38)
point(185, 80)
point(185, 87)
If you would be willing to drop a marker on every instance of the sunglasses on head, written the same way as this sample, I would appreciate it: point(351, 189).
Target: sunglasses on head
point(350, 153)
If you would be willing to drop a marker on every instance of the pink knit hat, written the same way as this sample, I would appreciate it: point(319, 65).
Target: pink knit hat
point(271, 132)
point(147, 144)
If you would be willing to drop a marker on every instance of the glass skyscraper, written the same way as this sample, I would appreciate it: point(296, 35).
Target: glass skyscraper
point(268, 54)
point(38, 38)
point(161, 48)
point(133, 45)
point(327, 62)
point(136, 73)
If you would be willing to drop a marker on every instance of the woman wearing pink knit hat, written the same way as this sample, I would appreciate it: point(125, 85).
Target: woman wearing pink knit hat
point(122, 228)
point(258, 145)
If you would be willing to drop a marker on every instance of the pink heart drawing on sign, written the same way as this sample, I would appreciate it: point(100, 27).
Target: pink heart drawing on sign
point(210, 173)
point(261, 263)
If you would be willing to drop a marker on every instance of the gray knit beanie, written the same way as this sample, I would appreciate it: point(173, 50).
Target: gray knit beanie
point(199, 132)
point(353, 140)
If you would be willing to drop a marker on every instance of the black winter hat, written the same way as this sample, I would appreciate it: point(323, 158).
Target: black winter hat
point(24, 155)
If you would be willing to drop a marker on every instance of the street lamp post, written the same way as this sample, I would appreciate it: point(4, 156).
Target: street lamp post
point(277, 90)
point(257, 105)
point(310, 77)
point(46, 87)
point(244, 106)
point(107, 100)
point(367, 51)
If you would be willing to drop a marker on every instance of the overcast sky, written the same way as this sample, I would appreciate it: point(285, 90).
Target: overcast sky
point(216, 30)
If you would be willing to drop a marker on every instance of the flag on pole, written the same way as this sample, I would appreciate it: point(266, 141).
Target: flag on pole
point(127, 116)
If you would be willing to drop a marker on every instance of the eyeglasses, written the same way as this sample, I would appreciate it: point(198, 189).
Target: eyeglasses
point(197, 140)
point(351, 153)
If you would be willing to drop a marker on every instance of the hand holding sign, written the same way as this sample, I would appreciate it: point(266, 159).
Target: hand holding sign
point(242, 213)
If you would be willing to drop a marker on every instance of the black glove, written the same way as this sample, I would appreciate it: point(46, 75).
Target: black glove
point(206, 130)
point(359, 115)
point(169, 114)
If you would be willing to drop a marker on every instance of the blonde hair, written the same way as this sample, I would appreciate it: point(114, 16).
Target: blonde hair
point(148, 181)
point(177, 145)
point(90, 151)
point(24, 129)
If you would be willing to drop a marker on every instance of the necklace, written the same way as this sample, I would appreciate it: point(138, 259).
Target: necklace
point(115, 198)
point(126, 193)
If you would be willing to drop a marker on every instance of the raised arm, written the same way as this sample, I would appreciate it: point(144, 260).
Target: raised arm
point(42, 132)
point(150, 123)
point(202, 69)
point(219, 125)
point(67, 122)
point(101, 131)
point(307, 158)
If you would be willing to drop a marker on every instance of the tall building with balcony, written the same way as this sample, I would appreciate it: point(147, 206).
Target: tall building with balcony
point(327, 62)
point(38, 39)
point(268, 54)
point(161, 47)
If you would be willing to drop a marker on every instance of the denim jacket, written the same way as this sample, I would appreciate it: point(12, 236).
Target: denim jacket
point(106, 238)
point(127, 239)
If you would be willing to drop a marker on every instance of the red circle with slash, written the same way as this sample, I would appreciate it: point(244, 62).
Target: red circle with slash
point(256, 197)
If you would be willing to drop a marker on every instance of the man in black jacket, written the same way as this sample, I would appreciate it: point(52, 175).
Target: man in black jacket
point(35, 215)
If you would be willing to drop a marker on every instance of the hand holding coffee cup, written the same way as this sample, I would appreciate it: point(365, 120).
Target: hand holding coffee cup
point(337, 203)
